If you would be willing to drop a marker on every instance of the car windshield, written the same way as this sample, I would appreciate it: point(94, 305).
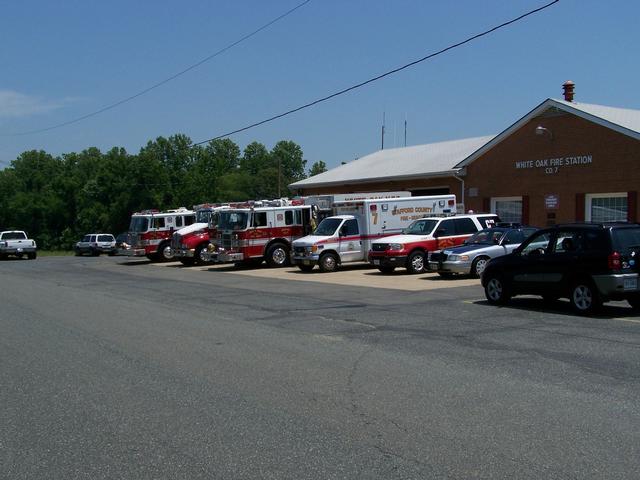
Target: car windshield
point(327, 227)
point(420, 227)
point(139, 224)
point(233, 220)
point(488, 236)
point(203, 216)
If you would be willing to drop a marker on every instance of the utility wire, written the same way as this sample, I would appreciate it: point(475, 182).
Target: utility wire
point(390, 72)
point(166, 80)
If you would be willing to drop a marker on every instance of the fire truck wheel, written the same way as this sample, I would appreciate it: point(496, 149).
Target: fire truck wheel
point(328, 262)
point(198, 255)
point(165, 254)
point(278, 255)
point(416, 262)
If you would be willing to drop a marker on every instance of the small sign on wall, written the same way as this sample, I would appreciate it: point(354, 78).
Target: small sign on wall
point(551, 201)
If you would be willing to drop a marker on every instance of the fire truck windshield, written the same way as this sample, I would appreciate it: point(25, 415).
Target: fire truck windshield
point(203, 216)
point(139, 224)
point(327, 227)
point(233, 220)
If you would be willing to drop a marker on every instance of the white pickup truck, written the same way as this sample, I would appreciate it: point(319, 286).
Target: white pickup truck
point(16, 242)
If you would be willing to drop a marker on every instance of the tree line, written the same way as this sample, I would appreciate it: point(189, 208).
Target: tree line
point(57, 199)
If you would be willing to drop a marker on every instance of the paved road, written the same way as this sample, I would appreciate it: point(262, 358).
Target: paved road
point(117, 369)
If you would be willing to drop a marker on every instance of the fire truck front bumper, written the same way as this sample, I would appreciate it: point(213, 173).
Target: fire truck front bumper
point(227, 257)
point(184, 252)
point(132, 252)
point(388, 260)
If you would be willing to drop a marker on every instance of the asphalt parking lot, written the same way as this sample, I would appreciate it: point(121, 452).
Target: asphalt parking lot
point(114, 367)
point(357, 275)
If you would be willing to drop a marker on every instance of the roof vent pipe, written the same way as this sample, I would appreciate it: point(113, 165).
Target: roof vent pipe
point(568, 87)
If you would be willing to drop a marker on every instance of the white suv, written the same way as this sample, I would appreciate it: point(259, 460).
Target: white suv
point(96, 243)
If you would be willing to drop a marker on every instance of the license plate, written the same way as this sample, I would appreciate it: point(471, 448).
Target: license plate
point(630, 283)
point(376, 262)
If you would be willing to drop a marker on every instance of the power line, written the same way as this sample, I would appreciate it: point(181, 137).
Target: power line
point(390, 72)
point(166, 80)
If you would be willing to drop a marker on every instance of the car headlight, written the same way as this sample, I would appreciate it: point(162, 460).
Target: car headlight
point(458, 258)
point(395, 246)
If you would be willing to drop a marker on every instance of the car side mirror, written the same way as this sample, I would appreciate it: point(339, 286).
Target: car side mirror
point(497, 241)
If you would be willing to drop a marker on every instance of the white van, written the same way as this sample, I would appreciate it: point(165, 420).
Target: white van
point(346, 236)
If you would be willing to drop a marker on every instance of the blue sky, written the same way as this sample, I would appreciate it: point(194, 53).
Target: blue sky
point(61, 60)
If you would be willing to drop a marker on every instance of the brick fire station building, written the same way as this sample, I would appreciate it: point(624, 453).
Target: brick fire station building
point(561, 162)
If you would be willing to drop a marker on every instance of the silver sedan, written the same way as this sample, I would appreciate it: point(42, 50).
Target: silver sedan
point(472, 256)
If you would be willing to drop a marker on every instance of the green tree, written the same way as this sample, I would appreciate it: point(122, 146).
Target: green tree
point(317, 168)
point(288, 160)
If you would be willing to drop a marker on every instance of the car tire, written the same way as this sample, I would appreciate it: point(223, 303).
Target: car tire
point(305, 268)
point(328, 262)
point(387, 269)
point(278, 255)
point(478, 266)
point(165, 254)
point(32, 255)
point(197, 256)
point(416, 263)
point(496, 290)
point(584, 297)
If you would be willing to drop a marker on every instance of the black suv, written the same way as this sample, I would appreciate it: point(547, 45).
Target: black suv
point(589, 263)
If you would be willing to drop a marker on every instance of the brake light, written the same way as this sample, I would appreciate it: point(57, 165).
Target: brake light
point(614, 261)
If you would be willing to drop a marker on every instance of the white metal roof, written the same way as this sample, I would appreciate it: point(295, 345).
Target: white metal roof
point(433, 159)
point(621, 120)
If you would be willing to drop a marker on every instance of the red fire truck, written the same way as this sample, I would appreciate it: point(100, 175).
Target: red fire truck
point(262, 231)
point(189, 244)
point(150, 233)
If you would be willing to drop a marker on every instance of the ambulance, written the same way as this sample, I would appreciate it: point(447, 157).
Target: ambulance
point(346, 236)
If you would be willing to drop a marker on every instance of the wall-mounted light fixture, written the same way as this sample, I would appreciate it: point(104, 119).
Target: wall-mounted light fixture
point(540, 130)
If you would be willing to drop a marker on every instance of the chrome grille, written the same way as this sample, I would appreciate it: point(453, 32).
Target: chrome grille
point(379, 247)
point(175, 241)
point(226, 241)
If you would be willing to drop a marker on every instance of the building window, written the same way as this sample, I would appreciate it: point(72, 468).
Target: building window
point(509, 209)
point(606, 207)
